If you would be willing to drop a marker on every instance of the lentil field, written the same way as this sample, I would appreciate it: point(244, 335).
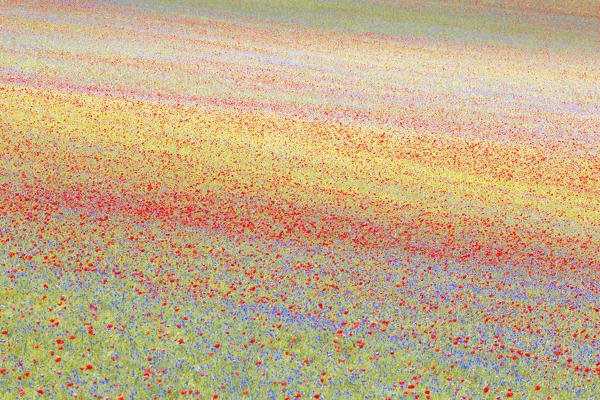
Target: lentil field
point(299, 199)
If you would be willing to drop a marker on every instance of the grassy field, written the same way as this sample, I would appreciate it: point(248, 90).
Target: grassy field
point(288, 199)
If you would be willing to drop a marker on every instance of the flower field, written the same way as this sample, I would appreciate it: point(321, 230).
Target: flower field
point(299, 199)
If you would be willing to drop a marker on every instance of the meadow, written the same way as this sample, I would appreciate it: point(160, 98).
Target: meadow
point(299, 199)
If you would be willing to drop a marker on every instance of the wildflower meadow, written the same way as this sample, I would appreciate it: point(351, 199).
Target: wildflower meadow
point(352, 199)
